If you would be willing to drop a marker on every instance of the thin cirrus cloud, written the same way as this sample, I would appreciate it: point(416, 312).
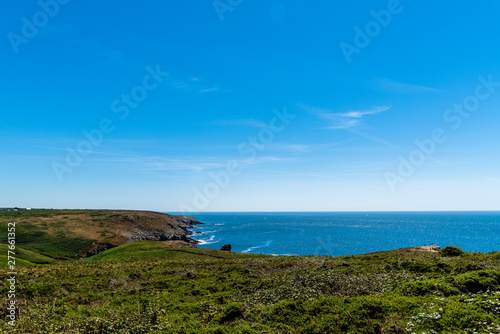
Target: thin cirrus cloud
point(344, 120)
point(197, 165)
point(208, 90)
point(306, 148)
point(150, 163)
point(391, 86)
point(192, 84)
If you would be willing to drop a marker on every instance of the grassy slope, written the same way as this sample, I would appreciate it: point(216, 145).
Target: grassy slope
point(146, 286)
point(27, 257)
point(153, 250)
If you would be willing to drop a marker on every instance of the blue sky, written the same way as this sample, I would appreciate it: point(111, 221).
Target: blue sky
point(250, 105)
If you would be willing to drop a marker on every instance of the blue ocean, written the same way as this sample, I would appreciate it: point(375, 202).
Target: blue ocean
point(346, 233)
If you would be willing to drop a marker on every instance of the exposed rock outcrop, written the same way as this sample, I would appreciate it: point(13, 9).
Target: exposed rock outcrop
point(166, 228)
point(226, 247)
point(98, 248)
point(144, 233)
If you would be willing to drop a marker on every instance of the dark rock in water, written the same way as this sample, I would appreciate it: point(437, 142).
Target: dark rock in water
point(98, 248)
point(226, 247)
point(198, 232)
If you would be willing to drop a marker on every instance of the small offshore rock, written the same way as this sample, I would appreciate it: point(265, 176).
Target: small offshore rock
point(226, 247)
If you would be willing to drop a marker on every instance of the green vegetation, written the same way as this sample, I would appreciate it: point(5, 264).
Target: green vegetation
point(58, 246)
point(48, 213)
point(30, 258)
point(451, 251)
point(149, 287)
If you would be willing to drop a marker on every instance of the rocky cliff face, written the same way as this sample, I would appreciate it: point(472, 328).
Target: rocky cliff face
point(98, 248)
point(164, 231)
point(144, 233)
point(144, 225)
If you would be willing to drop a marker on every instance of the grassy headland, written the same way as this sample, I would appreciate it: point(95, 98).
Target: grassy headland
point(72, 234)
point(150, 286)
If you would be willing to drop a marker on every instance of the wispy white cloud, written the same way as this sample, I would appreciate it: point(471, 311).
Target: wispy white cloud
point(208, 90)
point(343, 120)
point(391, 86)
point(165, 164)
point(306, 148)
point(193, 84)
point(179, 84)
point(198, 165)
point(69, 149)
point(375, 139)
point(361, 113)
point(301, 148)
point(153, 163)
point(343, 123)
point(260, 160)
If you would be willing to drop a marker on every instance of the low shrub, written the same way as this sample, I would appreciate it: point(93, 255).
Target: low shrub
point(232, 312)
point(476, 281)
point(450, 251)
point(425, 287)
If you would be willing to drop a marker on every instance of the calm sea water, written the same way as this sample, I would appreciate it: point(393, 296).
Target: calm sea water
point(347, 233)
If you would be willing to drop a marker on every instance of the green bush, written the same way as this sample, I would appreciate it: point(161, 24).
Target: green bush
point(450, 251)
point(476, 281)
point(419, 267)
point(287, 311)
point(468, 267)
point(460, 316)
point(232, 312)
point(432, 286)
